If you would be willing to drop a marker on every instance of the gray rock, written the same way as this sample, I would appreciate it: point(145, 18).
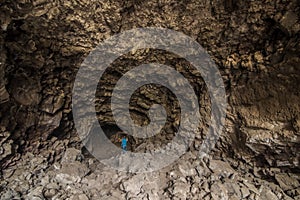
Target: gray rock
point(186, 169)
point(267, 194)
point(233, 189)
point(251, 187)
point(71, 155)
point(9, 194)
point(245, 192)
point(36, 194)
point(181, 189)
point(221, 168)
point(6, 147)
point(49, 193)
point(287, 182)
point(219, 191)
point(71, 173)
point(79, 197)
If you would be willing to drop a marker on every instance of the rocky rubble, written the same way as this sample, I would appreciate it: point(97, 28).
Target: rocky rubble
point(76, 176)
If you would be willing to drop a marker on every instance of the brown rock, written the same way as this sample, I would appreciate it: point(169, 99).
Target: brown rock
point(25, 91)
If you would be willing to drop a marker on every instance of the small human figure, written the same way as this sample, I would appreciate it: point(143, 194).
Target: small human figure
point(124, 144)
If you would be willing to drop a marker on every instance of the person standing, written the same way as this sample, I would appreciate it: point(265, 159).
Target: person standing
point(124, 143)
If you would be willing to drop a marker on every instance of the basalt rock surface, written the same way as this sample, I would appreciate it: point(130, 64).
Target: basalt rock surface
point(256, 46)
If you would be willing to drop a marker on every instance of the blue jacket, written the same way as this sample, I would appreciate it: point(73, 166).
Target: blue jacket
point(124, 142)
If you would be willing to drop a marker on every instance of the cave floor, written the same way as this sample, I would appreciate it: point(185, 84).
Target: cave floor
point(74, 174)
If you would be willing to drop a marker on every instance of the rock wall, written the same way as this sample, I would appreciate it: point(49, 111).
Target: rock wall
point(254, 43)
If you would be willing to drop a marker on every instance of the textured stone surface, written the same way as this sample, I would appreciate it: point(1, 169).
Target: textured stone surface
point(255, 45)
